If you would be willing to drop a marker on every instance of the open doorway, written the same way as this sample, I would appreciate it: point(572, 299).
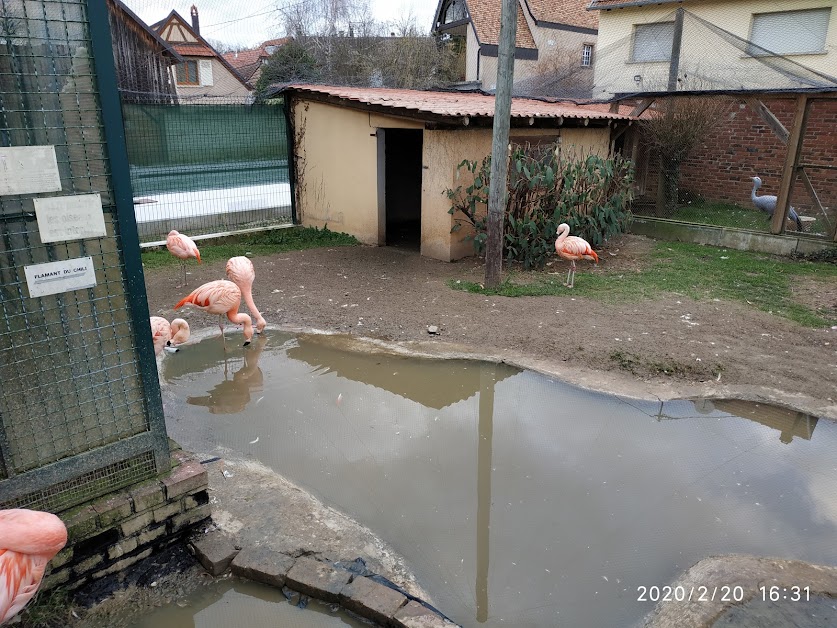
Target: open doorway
point(402, 187)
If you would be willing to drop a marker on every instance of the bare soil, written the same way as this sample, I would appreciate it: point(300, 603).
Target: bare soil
point(668, 347)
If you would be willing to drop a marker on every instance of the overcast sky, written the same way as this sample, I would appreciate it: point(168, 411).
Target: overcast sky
point(254, 21)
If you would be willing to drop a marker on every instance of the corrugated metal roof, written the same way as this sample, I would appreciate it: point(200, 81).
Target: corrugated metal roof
point(457, 104)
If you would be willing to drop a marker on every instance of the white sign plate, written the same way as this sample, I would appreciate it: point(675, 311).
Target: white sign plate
point(28, 170)
point(63, 218)
point(56, 277)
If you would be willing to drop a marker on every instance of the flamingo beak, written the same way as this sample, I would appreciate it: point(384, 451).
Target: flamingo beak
point(246, 343)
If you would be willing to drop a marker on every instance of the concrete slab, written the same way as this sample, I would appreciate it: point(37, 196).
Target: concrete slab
point(372, 600)
point(215, 551)
point(263, 565)
point(414, 615)
point(317, 579)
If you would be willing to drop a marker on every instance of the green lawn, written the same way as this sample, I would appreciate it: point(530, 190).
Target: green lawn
point(700, 272)
point(730, 215)
point(256, 244)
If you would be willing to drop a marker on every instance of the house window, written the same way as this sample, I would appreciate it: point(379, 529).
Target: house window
point(790, 32)
point(587, 55)
point(652, 42)
point(454, 11)
point(187, 73)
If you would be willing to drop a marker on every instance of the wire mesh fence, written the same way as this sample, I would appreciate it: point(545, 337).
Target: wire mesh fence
point(76, 396)
point(207, 168)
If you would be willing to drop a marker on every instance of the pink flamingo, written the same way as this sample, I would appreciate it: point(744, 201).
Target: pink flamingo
point(572, 248)
point(240, 271)
point(160, 333)
point(179, 332)
point(28, 541)
point(182, 247)
point(220, 297)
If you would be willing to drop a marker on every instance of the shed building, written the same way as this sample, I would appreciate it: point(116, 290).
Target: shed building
point(375, 163)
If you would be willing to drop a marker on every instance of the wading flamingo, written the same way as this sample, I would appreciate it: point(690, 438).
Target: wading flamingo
point(182, 247)
point(179, 332)
point(28, 541)
point(221, 297)
point(572, 248)
point(160, 333)
point(241, 272)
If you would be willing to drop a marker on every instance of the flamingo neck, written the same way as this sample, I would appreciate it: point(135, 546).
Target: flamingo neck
point(563, 231)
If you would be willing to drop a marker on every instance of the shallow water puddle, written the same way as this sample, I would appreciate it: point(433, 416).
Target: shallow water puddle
point(518, 500)
point(246, 604)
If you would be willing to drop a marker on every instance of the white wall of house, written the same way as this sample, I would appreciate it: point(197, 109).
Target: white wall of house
point(216, 81)
point(706, 59)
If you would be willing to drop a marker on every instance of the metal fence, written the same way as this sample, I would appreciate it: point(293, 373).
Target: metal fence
point(697, 158)
point(80, 408)
point(207, 168)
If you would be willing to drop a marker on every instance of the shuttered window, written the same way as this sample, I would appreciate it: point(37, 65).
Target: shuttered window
point(187, 73)
point(790, 32)
point(652, 42)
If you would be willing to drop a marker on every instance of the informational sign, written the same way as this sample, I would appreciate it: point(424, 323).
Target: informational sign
point(28, 170)
point(63, 276)
point(62, 218)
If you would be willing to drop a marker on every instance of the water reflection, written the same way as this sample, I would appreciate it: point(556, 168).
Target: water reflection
point(565, 503)
point(242, 378)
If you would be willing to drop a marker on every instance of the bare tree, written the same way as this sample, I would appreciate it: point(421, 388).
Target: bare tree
point(674, 129)
point(560, 74)
point(330, 18)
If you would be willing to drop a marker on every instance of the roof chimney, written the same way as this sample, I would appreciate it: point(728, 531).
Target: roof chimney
point(196, 23)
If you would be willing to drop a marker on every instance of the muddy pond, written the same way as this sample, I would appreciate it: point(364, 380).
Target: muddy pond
point(516, 499)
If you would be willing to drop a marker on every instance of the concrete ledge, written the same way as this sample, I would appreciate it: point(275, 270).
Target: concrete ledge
point(354, 588)
point(739, 239)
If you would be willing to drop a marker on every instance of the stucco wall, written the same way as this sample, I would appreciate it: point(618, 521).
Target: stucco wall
point(706, 56)
point(338, 159)
point(225, 85)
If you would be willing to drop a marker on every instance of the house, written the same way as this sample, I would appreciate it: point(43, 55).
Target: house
point(763, 52)
point(204, 76)
point(375, 162)
point(143, 60)
point(554, 48)
point(248, 63)
point(723, 44)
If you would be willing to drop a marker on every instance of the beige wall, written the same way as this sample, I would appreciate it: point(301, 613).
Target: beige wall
point(338, 183)
point(706, 58)
point(224, 85)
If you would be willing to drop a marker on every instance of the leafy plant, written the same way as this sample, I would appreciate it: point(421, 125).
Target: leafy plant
point(592, 195)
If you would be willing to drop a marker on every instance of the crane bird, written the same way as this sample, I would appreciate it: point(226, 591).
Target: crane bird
point(572, 248)
point(220, 297)
point(29, 539)
point(767, 203)
point(182, 247)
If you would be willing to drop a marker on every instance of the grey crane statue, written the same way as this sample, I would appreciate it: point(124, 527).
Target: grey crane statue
point(767, 204)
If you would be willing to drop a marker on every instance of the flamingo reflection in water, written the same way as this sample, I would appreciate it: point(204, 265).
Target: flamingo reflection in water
point(232, 395)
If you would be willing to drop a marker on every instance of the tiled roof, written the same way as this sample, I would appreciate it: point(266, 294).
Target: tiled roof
point(485, 15)
point(193, 50)
point(571, 12)
point(456, 104)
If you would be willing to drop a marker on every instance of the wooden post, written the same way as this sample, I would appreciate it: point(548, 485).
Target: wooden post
point(797, 134)
point(677, 40)
point(498, 189)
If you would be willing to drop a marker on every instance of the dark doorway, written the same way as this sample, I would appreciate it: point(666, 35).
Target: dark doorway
point(403, 187)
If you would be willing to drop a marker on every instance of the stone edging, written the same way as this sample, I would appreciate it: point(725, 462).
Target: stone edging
point(368, 595)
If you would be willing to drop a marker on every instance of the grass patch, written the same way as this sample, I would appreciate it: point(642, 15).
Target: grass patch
point(257, 244)
point(730, 215)
point(692, 270)
point(49, 609)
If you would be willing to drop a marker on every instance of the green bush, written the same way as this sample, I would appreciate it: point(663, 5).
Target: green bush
point(592, 195)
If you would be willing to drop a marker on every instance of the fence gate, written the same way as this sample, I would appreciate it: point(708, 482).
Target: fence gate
point(80, 407)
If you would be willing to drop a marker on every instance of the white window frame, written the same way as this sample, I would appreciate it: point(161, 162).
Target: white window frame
point(587, 55)
point(666, 58)
point(762, 48)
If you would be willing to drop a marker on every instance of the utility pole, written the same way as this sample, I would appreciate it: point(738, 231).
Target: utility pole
point(500, 145)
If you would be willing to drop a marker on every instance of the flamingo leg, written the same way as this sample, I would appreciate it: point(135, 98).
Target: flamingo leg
point(572, 275)
point(221, 326)
point(183, 269)
point(567, 282)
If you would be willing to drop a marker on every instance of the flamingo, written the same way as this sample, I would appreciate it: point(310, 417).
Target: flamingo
point(182, 247)
point(160, 333)
point(220, 297)
point(241, 272)
point(28, 541)
point(179, 332)
point(572, 248)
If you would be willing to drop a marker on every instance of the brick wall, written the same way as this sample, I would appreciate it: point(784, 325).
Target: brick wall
point(113, 532)
point(744, 146)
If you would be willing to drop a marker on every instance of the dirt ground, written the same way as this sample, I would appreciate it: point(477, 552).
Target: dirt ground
point(670, 347)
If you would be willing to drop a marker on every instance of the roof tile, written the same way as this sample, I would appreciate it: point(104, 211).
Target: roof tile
point(486, 14)
point(457, 104)
point(572, 12)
